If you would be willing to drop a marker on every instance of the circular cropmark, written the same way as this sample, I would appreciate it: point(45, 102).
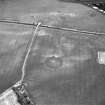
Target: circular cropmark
point(53, 62)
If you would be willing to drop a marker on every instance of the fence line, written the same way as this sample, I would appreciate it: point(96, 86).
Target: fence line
point(53, 27)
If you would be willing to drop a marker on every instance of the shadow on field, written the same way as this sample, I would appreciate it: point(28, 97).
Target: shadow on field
point(82, 1)
point(70, 0)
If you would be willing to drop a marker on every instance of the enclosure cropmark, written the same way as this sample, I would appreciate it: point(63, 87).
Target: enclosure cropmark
point(34, 32)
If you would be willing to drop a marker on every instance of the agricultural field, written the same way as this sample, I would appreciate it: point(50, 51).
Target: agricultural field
point(63, 67)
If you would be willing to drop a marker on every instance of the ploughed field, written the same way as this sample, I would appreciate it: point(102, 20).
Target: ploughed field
point(62, 68)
